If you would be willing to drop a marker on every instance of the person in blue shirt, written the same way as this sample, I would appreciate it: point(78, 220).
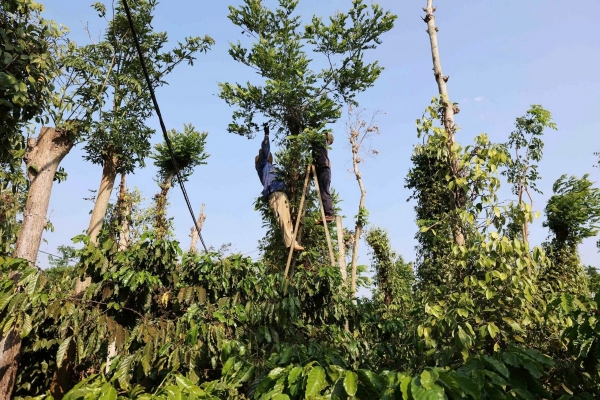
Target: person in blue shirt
point(274, 190)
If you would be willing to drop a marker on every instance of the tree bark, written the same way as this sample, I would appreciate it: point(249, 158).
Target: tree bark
point(42, 159)
point(10, 345)
point(124, 209)
point(160, 224)
point(448, 117)
point(109, 174)
point(361, 205)
point(195, 234)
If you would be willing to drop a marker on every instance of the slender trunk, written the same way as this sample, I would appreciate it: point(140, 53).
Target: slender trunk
point(448, 117)
point(195, 234)
point(109, 174)
point(42, 159)
point(361, 206)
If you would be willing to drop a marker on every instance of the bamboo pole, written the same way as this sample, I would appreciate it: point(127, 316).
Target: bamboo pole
point(341, 249)
point(331, 257)
point(298, 218)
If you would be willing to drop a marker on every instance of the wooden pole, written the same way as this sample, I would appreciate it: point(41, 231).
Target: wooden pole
point(341, 248)
point(298, 218)
point(331, 257)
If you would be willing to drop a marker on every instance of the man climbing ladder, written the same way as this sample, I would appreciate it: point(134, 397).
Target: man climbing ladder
point(274, 190)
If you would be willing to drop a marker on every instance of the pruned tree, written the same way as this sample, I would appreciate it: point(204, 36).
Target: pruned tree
point(120, 137)
point(447, 111)
point(188, 152)
point(359, 133)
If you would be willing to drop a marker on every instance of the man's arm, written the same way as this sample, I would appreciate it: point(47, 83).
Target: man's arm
point(265, 151)
point(266, 145)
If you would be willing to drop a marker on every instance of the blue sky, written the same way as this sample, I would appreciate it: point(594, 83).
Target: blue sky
point(501, 57)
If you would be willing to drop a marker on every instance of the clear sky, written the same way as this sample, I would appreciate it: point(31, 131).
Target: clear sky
point(501, 57)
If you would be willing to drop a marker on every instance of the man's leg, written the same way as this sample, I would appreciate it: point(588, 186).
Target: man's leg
point(324, 178)
point(279, 204)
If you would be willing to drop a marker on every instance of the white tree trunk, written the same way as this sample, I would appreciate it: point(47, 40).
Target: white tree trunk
point(109, 174)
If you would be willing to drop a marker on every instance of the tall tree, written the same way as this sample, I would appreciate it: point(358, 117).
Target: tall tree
point(26, 73)
point(295, 99)
point(188, 153)
point(69, 104)
point(522, 170)
point(120, 139)
point(73, 105)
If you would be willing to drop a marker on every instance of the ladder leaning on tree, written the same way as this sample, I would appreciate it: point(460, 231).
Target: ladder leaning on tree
point(309, 168)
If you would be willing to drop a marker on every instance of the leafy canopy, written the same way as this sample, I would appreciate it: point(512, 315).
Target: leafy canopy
point(188, 151)
point(294, 94)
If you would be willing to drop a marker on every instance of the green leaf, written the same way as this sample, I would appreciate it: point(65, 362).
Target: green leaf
point(26, 326)
point(62, 349)
point(294, 374)
point(498, 366)
point(351, 383)
point(315, 382)
point(428, 378)
point(281, 396)
point(107, 392)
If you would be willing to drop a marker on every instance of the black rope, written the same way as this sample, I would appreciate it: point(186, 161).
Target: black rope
point(162, 124)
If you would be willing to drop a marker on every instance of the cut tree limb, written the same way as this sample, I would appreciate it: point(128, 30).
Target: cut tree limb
point(194, 234)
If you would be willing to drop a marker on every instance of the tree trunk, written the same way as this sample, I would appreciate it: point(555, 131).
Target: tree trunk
point(160, 224)
point(361, 206)
point(195, 234)
point(124, 210)
point(42, 159)
point(109, 174)
point(10, 345)
point(448, 117)
point(10, 348)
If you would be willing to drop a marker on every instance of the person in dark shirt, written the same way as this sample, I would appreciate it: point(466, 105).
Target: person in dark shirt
point(323, 167)
point(274, 190)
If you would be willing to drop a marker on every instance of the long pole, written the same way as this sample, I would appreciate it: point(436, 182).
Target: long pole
point(331, 257)
point(298, 218)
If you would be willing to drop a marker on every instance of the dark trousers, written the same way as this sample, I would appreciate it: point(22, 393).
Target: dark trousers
point(324, 178)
